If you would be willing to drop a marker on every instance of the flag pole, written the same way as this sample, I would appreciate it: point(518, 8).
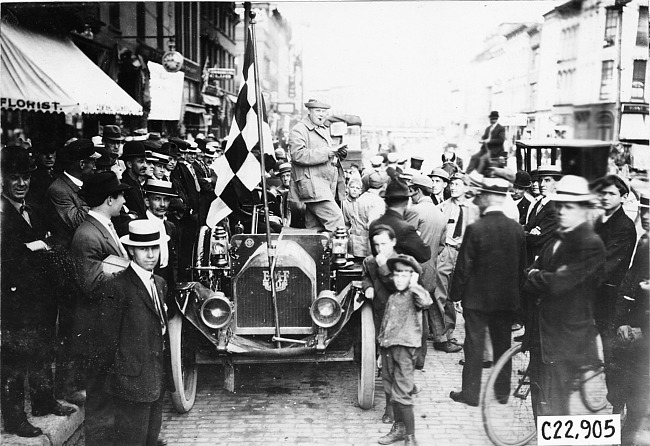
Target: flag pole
point(260, 110)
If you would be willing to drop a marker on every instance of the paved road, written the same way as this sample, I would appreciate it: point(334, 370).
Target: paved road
point(309, 404)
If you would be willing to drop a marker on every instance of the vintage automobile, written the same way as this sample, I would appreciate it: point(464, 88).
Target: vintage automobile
point(346, 129)
point(258, 298)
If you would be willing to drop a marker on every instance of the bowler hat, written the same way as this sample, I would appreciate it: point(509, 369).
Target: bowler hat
point(99, 186)
point(644, 200)
point(440, 173)
point(494, 114)
point(107, 159)
point(406, 260)
point(522, 179)
point(315, 103)
point(113, 133)
point(15, 159)
point(80, 149)
point(133, 149)
point(572, 188)
point(549, 170)
point(170, 148)
point(397, 189)
point(143, 232)
point(160, 187)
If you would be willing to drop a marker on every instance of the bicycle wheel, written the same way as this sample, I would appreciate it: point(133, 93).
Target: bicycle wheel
point(593, 389)
point(508, 416)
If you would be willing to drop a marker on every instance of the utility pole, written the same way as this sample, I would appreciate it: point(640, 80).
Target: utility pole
point(618, 6)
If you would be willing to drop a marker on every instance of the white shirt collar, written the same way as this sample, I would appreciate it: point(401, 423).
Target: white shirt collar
point(106, 222)
point(76, 181)
point(143, 274)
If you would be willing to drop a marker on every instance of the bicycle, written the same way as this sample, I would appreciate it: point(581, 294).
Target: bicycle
point(509, 420)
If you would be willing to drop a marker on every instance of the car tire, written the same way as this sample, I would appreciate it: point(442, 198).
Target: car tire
point(184, 367)
point(367, 363)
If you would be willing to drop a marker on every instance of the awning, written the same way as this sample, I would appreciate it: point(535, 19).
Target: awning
point(634, 126)
point(208, 99)
point(50, 74)
point(197, 109)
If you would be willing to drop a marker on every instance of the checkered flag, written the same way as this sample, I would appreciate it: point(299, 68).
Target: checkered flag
point(238, 169)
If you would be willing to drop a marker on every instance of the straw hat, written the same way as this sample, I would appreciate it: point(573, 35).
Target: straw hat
point(572, 188)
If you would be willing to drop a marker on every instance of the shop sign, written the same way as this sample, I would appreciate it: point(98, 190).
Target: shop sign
point(221, 73)
point(25, 104)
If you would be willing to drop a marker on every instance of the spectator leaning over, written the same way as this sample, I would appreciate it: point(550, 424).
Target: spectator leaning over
point(562, 283)
point(618, 233)
point(486, 281)
point(399, 338)
point(458, 213)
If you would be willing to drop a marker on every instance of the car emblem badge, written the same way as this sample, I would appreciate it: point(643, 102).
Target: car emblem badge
point(249, 243)
point(281, 280)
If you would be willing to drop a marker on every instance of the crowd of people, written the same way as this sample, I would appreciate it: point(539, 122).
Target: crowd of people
point(97, 232)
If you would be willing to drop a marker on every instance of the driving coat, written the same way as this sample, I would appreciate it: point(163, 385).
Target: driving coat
point(565, 284)
point(316, 175)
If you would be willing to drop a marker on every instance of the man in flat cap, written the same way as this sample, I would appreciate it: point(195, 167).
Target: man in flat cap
point(317, 177)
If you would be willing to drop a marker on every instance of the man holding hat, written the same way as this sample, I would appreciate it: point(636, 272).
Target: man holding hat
point(133, 308)
point(135, 158)
point(562, 282)
point(541, 221)
point(458, 213)
point(29, 309)
point(440, 179)
point(317, 177)
point(64, 208)
point(486, 280)
point(491, 145)
point(94, 241)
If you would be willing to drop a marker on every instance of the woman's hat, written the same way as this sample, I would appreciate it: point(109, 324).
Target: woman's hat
point(160, 187)
point(549, 170)
point(405, 259)
point(572, 188)
point(99, 186)
point(143, 232)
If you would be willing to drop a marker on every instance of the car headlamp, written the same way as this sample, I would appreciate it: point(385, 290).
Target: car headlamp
point(216, 311)
point(325, 311)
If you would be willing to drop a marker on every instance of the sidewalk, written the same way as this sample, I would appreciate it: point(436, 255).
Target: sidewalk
point(57, 431)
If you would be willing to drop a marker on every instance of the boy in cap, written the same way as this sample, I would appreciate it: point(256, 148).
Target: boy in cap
point(399, 337)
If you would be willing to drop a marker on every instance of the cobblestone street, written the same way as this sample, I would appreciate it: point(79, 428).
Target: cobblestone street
point(316, 404)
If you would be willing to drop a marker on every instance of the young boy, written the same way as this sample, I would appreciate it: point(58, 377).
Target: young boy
point(399, 337)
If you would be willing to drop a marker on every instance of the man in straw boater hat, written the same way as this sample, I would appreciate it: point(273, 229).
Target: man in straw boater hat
point(28, 306)
point(631, 375)
point(486, 280)
point(541, 220)
point(562, 283)
point(133, 328)
point(317, 177)
point(94, 241)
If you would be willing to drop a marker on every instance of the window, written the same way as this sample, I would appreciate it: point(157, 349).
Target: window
point(611, 24)
point(187, 29)
point(605, 126)
point(160, 29)
point(638, 79)
point(642, 29)
point(114, 15)
point(607, 79)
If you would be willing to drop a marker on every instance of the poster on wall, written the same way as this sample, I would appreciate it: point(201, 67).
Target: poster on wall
point(166, 91)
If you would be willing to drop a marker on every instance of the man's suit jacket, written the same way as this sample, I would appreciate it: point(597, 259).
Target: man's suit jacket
point(546, 220)
point(490, 264)
point(632, 306)
point(522, 207)
point(184, 176)
point(428, 220)
point(619, 236)
point(65, 209)
point(135, 352)
point(134, 196)
point(42, 179)
point(91, 244)
point(408, 240)
point(564, 284)
point(495, 138)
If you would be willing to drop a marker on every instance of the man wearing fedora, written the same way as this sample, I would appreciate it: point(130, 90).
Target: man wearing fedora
point(542, 222)
point(491, 145)
point(562, 283)
point(458, 213)
point(133, 327)
point(135, 158)
point(440, 180)
point(486, 281)
point(29, 309)
point(63, 206)
point(94, 241)
point(317, 177)
point(428, 220)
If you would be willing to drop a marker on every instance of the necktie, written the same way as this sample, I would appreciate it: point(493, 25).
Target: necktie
point(458, 230)
point(196, 181)
point(25, 214)
point(111, 229)
point(156, 303)
point(536, 208)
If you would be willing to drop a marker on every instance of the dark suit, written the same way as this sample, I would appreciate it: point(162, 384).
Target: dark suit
point(563, 284)
point(189, 224)
point(408, 240)
point(495, 138)
point(134, 196)
point(545, 219)
point(42, 179)
point(65, 209)
point(137, 354)
point(486, 280)
point(206, 195)
point(28, 314)
point(91, 244)
point(522, 206)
